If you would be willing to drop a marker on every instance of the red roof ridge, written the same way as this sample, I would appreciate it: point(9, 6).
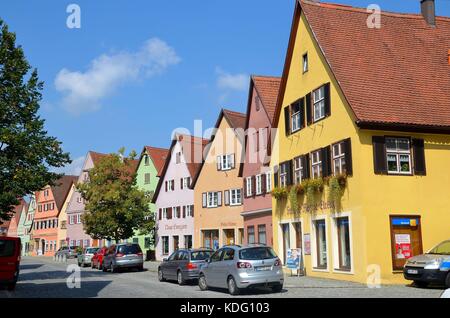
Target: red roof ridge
point(267, 77)
point(232, 112)
point(157, 148)
point(346, 7)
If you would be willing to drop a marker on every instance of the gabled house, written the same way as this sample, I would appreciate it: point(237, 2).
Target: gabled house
point(174, 199)
point(49, 203)
point(25, 223)
point(360, 158)
point(14, 222)
point(149, 169)
point(255, 170)
point(217, 186)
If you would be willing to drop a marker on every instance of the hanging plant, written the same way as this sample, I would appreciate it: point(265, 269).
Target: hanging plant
point(342, 180)
point(312, 187)
point(335, 190)
point(316, 185)
point(279, 193)
point(293, 200)
point(301, 188)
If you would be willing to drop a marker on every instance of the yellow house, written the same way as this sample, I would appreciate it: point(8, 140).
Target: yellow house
point(62, 220)
point(218, 193)
point(361, 156)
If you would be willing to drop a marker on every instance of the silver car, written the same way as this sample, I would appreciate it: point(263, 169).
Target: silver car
point(431, 267)
point(84, 259)
point(128, 255)
point(235, 267)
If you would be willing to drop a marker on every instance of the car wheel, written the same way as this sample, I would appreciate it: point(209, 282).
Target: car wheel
point(447, 280)
point(232, 287)
point(140, 268)
point(202, 283)
point(161, 275)
point(180, 278)
point(277, 288)
point(420, 284)
point(79, 264)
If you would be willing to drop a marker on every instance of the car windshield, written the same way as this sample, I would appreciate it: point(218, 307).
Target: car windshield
point(6, 248)
point(91, 250)
point(200, 255)
point(441, 249)
point(129, 249)
point(255, 253)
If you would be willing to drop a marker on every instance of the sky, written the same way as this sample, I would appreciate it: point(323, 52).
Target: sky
point(136, 70)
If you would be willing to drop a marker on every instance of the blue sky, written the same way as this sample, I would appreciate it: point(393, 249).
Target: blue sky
point(136, 70)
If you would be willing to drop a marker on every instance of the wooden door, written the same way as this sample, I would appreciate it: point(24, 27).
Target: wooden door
point(406, 240)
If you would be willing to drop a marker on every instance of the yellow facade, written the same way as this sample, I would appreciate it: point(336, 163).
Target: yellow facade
point(369, 199)
point(62, 221)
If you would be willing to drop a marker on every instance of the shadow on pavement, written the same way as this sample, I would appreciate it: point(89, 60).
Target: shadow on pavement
point(56, 275)
point(250, 291)
point(30, 266)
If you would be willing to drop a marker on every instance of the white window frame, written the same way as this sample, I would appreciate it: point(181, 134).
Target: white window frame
point(397, 152)
point(248, 186)
point(305, 63)
point(235, 197)
point(258, 184)
point(212, 199)
point(164, 213)
point(316, 164)
point(146, 160)
point(283, 175)
point(189, 210)
point(338, 157)
point(319, 102)
point(145, 178)
point(226, 162)
point(298, 170)
point(314, 243)
point(78, 218)
point(335, 242)
point(296, 121)
point(71, 219)
point(186, 182)
point(268, 182)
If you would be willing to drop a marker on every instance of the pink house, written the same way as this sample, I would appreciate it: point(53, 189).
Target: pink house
point(255, 171)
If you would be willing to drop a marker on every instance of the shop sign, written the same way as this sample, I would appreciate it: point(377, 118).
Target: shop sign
point(405, 221)
point(293, 258)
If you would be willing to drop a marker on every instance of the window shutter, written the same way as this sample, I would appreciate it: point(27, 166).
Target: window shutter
point(308, 107)
point(263, 184)
point(379, 155)
point(289, 172)
point(326, 89)
point(203, 200)
point(305, 163)
point(184, 211)
point(219, 163)
point(287, 121)
point(173, 184)
point(275, 177)
point(159, 217)
point(165, 185)
point(245, 187)
point(192, 210)
point(253, 186)
point(302, 113)
point(227, 197)
point(419, 157)
point(348, 156)
point(169, 213)
point(181, 183)
point(269, 141)
point(232, 157)
point(326, 161)
point(219, 198)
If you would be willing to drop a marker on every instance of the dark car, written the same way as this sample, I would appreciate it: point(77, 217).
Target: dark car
point(127, 255)
point(183, 265)
point(97, 259)
point(10, 251)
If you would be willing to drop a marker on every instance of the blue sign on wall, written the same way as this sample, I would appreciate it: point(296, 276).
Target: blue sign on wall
point(405, 221)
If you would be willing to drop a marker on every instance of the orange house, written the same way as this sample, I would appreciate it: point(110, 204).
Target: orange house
point(49, 202)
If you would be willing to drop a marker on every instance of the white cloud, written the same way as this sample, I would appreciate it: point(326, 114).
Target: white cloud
point(84, 91)
point(227, 81)
point(72, 169)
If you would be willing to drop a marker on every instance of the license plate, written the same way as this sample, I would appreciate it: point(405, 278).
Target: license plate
point(263, 268)
point(413, 271)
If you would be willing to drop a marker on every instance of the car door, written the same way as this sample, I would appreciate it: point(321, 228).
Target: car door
point(8, 259)
point(171, 267)
point(212, 277)
point(224, 267)
point(182, 261)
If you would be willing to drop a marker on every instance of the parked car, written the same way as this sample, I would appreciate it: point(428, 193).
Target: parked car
point(97, 259)
point(431, 267)
point(66, 252)
point(235, 267)
point(128, 255)
point(183, 265)
point(10, 251)
point(85, 258)
point(446, 293)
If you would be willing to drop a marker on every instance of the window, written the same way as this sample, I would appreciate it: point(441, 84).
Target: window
point(40, 208)
point(251, 234)
point(298, 170)
point(63, 225)
point(343, 232)
point(398, 154)
point(283, 175)
point(188, 241)
point(178, 158)
point(228, 254)
point(257, 103)
point(79, 200)
point(225, 162)
point(165, 245)
point(258, 184)
point(296, 120)
point(213, 199)
point(170, 185)
point(339, 158)
point(321, 244)
point(235, 197)
point(147, 178)
point(45, 193)
point(86, 243)
point(268, 182)
point(71, 219)
point(262, 234)
point(319, 103)
point(190, 210)
point(177, 211)
point(248, 186)
point(186, 182)
point(305, 63)
point(78, 218)
point(146, 160)
point(316, 164)
point(217, 256)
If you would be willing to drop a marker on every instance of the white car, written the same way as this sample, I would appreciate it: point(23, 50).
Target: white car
point(446, 294)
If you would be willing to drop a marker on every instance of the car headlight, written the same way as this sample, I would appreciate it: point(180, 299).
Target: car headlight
point(434, 265)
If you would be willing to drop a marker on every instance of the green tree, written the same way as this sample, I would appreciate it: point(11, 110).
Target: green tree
point(115, 206)
point(27, 153)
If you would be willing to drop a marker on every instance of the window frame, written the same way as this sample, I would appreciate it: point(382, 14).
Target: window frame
point(315, 164)
point(298, 171)
point(341, 157)
point(248, 186)
point(305, 63)
point(237, 202)
point(397, 153)
point(268, 176)
point(316, 102)
point(214, 201)
point(283, 175)
point(258, 184)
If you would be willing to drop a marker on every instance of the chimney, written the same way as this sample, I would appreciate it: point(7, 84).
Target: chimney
point(428, 11)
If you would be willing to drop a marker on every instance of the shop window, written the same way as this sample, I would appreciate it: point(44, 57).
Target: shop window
point(176, 242)
point(286, 240)
point(343, 235)
point(406, 239)
point(262, 239)
point(321, 244)
point(211, 239)
point(251, 234)
point(165, 245)
point(298, 234)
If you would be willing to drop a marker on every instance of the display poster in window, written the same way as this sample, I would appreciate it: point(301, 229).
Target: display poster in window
point(403, 246)
point(307, 243)
point(293, 258)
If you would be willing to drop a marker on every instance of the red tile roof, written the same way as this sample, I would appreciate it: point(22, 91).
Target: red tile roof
point(267, 88)
point(96, 156)
point(61, 189)
point(398, 74)
point(158, 156)
point(236, 119)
